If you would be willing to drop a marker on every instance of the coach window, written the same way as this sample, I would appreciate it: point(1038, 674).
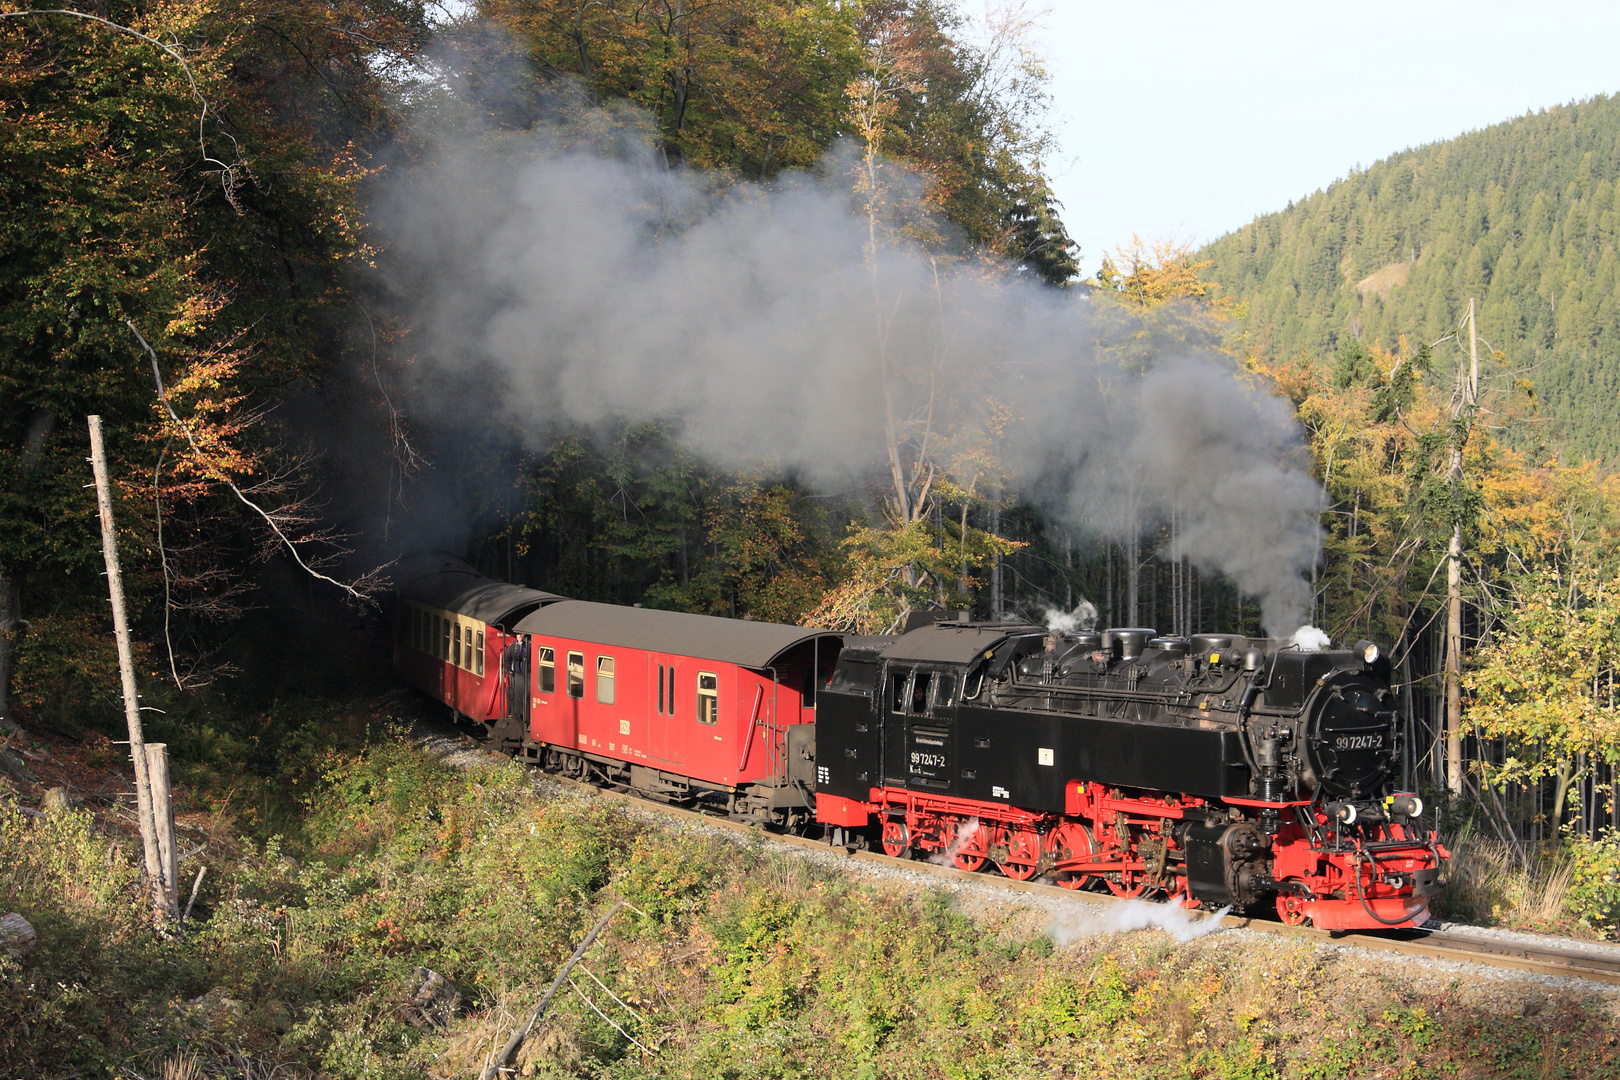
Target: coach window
point(479, 653)
point(660, 689)
point(919, 691)
point(604, 680)
point(672, 689)
point(455, 645)
point(576, 674)
point(418, 635)
point(708, 698)
point(467, 650)
point(433, 646)
point(548, 671)
point(447, 628)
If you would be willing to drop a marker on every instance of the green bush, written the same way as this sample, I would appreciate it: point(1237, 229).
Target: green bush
point(1594, 887)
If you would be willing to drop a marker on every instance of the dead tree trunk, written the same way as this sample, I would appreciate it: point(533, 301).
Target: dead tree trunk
point(126, 671)
point(157, 772)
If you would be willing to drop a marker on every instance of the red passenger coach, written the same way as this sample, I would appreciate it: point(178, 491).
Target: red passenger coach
point(683, 707)
point(451, 628)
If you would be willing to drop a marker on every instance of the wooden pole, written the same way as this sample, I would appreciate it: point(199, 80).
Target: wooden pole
point(157, 772)
point(126, 671)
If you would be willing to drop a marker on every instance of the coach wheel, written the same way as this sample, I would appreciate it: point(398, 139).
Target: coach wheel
point(1023, 853)
point(1065, 843)
point(896, 839)
point(967, 845)
point(1291, 910)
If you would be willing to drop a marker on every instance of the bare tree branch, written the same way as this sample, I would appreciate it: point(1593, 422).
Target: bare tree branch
point(364, 586)
point(229, 179)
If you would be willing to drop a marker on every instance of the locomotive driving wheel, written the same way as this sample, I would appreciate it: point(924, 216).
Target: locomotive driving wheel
point(1065, 843)
point(967, 844)
point(1023, 852)
point(1291, 910)
point(896, 839)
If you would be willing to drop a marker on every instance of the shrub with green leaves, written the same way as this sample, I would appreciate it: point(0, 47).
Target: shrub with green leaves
point(1594, 887)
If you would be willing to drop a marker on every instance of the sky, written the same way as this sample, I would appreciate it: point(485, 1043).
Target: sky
point(1186, 120)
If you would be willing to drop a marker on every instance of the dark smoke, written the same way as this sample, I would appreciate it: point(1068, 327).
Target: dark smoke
point(547, 283)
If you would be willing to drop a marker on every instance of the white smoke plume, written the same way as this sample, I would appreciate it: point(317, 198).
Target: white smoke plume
point(1310, 639)
point(1083, 617)
point(958, 841)
point(1130, 915)
point(544, 282)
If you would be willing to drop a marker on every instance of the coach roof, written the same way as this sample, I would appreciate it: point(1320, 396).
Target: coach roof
point(451, 585)
point(706, 637)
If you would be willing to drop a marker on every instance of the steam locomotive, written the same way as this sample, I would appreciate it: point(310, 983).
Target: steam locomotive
point(1213, 770)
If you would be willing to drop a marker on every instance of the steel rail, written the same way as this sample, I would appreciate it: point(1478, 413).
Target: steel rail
point(1429, 944)
point(1426, 944)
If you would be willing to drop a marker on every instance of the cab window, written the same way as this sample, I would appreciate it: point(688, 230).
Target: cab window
point(944, 688)
point(478, 653)
point(897, 688)
point(548, 670)
point(708, 698)
point(604, 680)
point(576, 674)
point(807, 693)
point(919, 691)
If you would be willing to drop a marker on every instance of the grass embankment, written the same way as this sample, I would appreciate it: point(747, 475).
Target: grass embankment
point(735, 963)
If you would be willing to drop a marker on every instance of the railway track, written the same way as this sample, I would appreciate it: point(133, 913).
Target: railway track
point(1429, 944)
point(1426, 944)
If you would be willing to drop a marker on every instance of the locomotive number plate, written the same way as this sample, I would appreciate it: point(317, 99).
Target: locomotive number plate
point(1359, 742)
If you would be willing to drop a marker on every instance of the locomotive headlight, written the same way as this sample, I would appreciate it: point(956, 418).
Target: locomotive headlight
point(1344, 813)
point(1406, 805)
point(1367, 651)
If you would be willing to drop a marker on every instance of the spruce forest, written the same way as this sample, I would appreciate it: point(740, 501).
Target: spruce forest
point(256, 240)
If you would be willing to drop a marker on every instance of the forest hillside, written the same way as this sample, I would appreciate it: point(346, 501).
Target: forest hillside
point(1521, 215)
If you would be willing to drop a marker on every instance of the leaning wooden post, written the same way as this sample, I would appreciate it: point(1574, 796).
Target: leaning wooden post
point(157, 772)
point(126, 669)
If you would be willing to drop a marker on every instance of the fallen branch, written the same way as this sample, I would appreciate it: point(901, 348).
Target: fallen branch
point(195, 885)
point(494, 1064)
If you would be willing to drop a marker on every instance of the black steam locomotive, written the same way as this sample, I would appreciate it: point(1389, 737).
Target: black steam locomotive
point(1215, 769)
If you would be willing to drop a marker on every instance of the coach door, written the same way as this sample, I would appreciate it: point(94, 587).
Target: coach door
point(671, 694)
